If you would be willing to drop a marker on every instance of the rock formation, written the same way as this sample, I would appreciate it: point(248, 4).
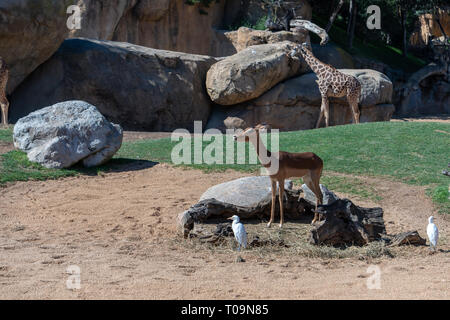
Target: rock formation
point(251, 72)
point(139, 88)
point(30, 32)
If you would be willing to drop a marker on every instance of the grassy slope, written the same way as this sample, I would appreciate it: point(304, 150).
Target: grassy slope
point(6, 134)
point(413, 153)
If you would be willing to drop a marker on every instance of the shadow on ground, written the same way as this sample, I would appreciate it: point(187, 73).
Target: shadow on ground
point(116, 165)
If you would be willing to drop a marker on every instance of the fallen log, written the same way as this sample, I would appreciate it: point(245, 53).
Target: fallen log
point(410, 237)
point(346, 223)
point(308, 25)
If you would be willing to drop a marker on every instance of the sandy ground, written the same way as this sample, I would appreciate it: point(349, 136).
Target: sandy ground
point(119, 229)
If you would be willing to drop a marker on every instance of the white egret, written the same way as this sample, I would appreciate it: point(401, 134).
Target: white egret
point(239, 232)
point(433, 233)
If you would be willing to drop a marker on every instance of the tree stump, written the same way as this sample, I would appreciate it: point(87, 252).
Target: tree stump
point(346, 223)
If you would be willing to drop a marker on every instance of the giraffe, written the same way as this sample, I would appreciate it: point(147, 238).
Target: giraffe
point(4, 104)
point(332, 83)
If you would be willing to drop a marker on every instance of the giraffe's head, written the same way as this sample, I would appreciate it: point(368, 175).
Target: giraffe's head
point(300, 48)
point(247, 134)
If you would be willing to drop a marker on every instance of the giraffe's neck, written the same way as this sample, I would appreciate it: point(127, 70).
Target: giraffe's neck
point(315, 64)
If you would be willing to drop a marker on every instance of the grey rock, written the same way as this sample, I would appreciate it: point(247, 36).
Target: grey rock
point(139, 88)
point(243, 192)
point(63, 134)
point(251, 72)
point(328, 196)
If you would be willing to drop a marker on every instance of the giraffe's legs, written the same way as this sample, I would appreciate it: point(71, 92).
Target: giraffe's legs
point(353, 98)
point(274, 195)
point(327, 113)
point(356, 113)
point(324, 111)
point(4, 107)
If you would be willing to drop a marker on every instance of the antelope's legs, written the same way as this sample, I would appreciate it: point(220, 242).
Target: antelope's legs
point(274, 194)
point(280, 195)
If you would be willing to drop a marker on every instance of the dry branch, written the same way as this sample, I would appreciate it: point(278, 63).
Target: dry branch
point(308, 25)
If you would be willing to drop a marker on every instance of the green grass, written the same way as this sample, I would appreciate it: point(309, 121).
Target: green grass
point(387, 54)
point(6, 134)
point(410, 152)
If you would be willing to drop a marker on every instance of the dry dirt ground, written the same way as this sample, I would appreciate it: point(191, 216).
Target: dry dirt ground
point(119, 229)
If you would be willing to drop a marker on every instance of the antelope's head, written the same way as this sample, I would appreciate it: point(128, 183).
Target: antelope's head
point(247, 134)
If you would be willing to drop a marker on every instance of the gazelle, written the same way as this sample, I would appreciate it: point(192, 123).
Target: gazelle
point(306, 165)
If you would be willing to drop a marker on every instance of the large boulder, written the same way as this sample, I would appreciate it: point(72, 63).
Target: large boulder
point(137, 87)
point(30, 32)
point(295, 104)
point(61, 135)
point(251, 72)
point(244, 192)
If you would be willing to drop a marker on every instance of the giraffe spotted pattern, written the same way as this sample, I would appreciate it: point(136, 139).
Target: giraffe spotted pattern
point(332, 83)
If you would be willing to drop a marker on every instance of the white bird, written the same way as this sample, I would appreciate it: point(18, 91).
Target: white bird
point(239, 232)
point(433, 233)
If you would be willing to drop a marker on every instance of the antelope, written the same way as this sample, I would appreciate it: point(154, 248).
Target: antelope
point(306, 165)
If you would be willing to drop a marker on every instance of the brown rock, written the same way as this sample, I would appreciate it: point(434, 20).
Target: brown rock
point(245, 37)
point(161, 24)
point(30, 32)
point(251, 72)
